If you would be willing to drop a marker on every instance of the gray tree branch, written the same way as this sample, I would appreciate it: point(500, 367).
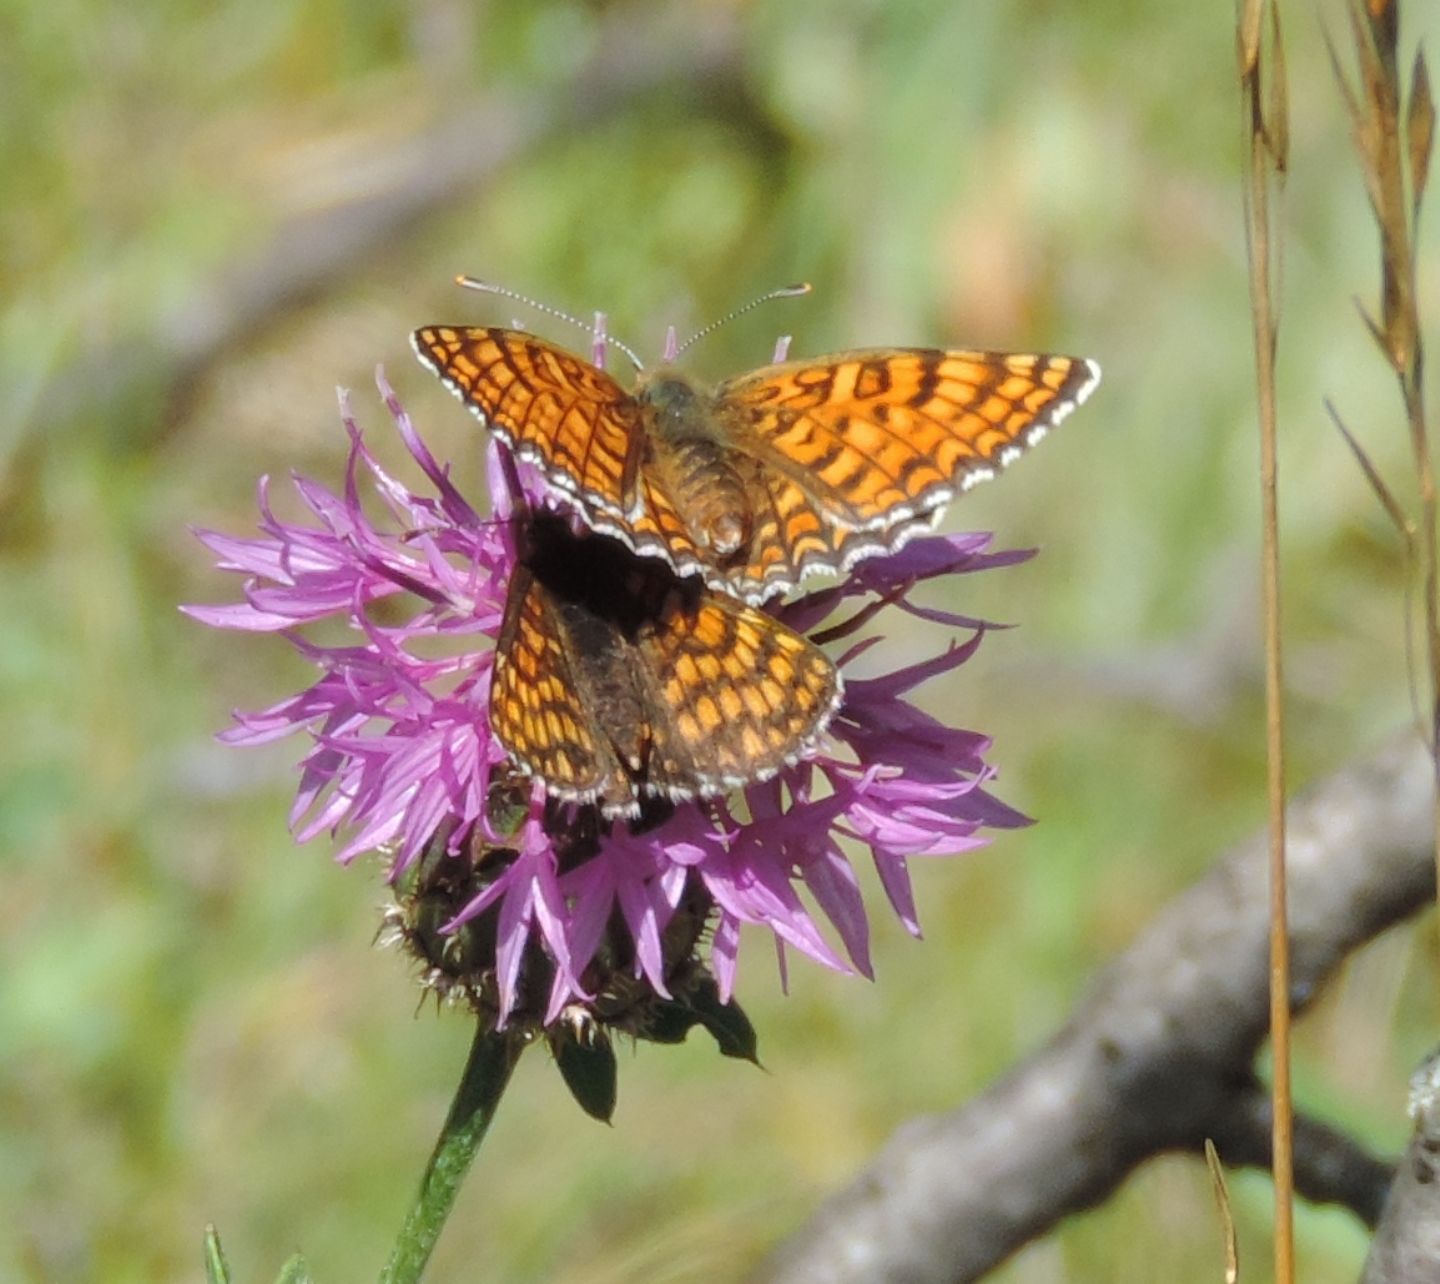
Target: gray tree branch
point(1330, 1168)
point(1406, 1248)
point(1158, 1056)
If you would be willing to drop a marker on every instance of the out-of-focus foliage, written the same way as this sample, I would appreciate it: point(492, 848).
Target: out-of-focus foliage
point(193, 1024)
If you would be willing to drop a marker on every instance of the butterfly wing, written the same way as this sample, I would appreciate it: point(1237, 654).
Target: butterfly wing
point(793, 537)
point(705, 696)
point(539, 710)
point(843, 458)
point(656, 530)
point(881, 438)
point(735, 695)
point(565, 415)
point(793, 534)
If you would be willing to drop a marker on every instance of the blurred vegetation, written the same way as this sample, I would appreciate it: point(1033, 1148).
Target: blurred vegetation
point(214, 220)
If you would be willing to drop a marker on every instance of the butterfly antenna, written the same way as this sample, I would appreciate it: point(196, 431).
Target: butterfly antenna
point(784, 292)
point(489, 287)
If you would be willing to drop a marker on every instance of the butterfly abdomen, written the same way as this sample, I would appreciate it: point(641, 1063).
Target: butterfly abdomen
point(692, 463)
point(709, 495)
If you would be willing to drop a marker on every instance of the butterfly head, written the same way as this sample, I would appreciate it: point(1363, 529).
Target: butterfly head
point(676, 409)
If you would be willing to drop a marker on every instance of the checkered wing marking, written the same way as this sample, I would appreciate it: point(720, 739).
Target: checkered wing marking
point(572, 420)
point(793, 536)
point(884, 436)
point(656, 530)
point(735, 694)
point(538, 710)
point(709, 696)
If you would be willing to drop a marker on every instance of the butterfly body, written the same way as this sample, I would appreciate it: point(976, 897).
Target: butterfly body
point(688, 455)
point(770, 477)
point(615, 680)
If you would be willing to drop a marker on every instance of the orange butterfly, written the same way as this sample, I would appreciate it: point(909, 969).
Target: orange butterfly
point(615, 681)
point(772, 476)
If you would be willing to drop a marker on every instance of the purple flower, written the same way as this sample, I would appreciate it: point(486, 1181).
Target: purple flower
point(540, 913)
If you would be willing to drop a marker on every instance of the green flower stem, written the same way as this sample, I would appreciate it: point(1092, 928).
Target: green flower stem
point(492, 1058)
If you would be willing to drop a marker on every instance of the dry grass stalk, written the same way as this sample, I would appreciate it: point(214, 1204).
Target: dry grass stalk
point(1262, 80)
point(1222, 1203)
point(1395, 147)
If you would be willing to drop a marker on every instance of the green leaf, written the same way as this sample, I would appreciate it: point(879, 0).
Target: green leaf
point(295, 1271)
point(217, 1269)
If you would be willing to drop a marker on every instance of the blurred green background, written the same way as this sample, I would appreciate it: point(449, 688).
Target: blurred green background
point(210, 222)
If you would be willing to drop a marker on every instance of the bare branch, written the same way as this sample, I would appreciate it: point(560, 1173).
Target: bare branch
point(1330, 1168)
point(1406, 1247)
point(1154, 1059)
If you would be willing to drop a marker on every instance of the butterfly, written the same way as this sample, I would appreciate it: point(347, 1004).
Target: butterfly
point(615, 680)
point(772, 476)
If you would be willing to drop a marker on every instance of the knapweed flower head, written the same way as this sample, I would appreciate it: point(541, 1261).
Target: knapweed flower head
point(550, 916)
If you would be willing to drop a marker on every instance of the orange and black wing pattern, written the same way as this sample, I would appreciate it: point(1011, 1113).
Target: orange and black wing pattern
point(883, 437)
point(563, 414)
point(734, 695)
point(792, 537)
point(615, 681)
point(839, 458)
point(540, 709)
